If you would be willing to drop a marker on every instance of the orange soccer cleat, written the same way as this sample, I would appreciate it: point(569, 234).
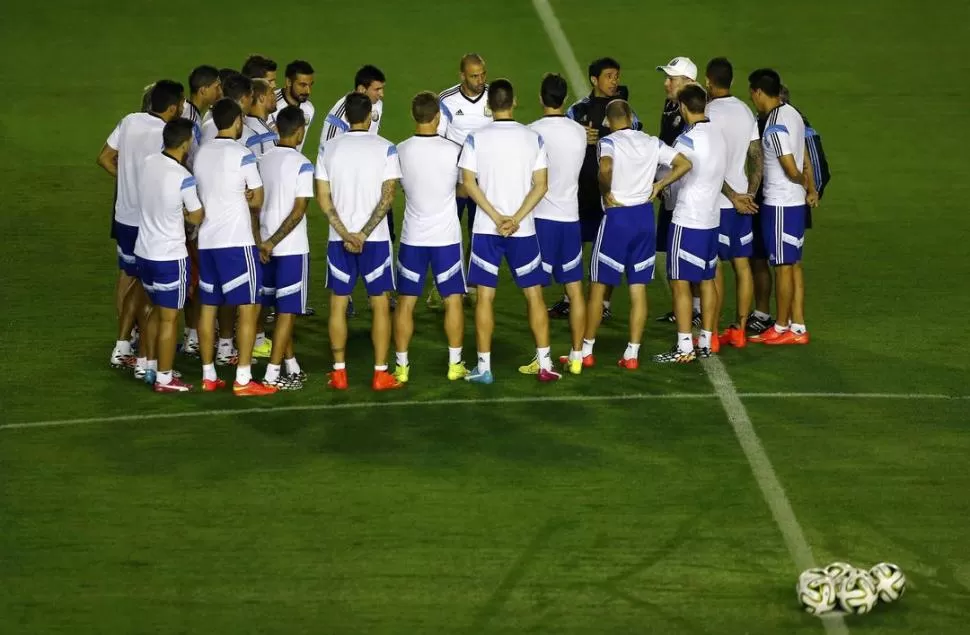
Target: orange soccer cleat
point(787, 338)
point(252, 389)
point(629, 364)
point(337, 379)
point(384, 380)
point(733, 336)
point(211, 385)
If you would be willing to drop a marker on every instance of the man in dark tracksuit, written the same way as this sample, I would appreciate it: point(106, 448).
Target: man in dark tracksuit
point(590, 112)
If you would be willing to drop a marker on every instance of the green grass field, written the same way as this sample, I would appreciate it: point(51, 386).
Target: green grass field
point(608, 503)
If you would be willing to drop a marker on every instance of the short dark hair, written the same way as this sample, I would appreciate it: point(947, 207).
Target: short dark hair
point(470, 58)
point(619, 109)
point(257, 66)
point(202, 76)
point(720, 72)
point(553, 91)
point(165, 94)
point(693, 98)
point(767, 80)
point(424, 107)
point(357, 108)
point(298, 67)
point(226, 73)
point(176, 132)
point(602, 64)
point(237, 86)
point(225, 113)
point(289, 120)
point(367, 75)
point(261, 87)
point(501, 95)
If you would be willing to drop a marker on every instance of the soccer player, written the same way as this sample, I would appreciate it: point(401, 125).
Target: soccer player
point(368, 81)
point(356, 176)
point(557, 214)
point(257, 136)
point(232, 194)
point(239, 89)
point(693, 237)
point(590, 112)
point(259, 67)
point(135, 137)
point(789, 189)
point(504, 169)
point(431, 234)
point(205, 89)
point(285, 248)
point(625, 242)
point(169, 201)
point(296, 92)
point(735, 239)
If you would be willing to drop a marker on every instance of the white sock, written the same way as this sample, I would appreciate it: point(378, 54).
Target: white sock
point(339, 365)
point(544, 357)
point(380, 368)
point(632, 351)
point(454, 355)
point(762, 316)
point(565, 299)
point(484, 362)
point(163, 378)
point(192, 335)
point(574, 355)
point(272, 372)
point(780, 328)
point(260, 338)
point(401, 359)
point(697, 305)
point(588, 347)
point(292, 367)
point(209, 372)
point(141, 362)
point(244, 374)
point(685, 342)
point(798, 329)
point(153, 364)
point(225, 344)
point(704, 339)
point(607, 303)
point(123, 347)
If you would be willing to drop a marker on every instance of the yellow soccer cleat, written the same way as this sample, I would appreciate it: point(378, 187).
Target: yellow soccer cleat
point(532, 368)
point(457, 371)
point(264, 349)
point(574, 366)
point(401, 373)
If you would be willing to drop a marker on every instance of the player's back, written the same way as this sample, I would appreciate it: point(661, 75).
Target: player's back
point(784, 134)
point(286, 175)
point(461, 115)
point(705, 147)
point(429, 173)
point(636, 156)
point(336, 122)
point(565, 143)
point(161, 233)
point(220, 172)
point(357, 164)
point(739, 127)
point(137, 136)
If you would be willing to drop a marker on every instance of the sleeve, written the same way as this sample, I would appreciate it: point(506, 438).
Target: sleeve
point(250, 171)
point(304, 181)
point(666, 154)
point(446, 118)
point(468, 160)
point(604, 148)
point(542, 158)
point(190, 194)
point(637, 124)
point(755, 135)
point(392, 164)
point(333, 126)
point(779, 139)
point(321, 170)
point(114, 139)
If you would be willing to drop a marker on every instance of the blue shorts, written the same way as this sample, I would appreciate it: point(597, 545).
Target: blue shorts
point(286, 283)
point(783, 230)
point(522, 254)
point(165, 281)
point(125, 238)
point(691, 253)
point(230, 275)
point(447, 267)
point(561, 246)
point(736, 236)
point(625, 244)
point(374, 264)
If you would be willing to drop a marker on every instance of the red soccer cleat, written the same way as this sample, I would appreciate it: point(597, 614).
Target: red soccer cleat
point(176, 385)
point(210, 385)
point(384, 380)
point(338, 379)
point(548, 375)
point(629, 364)
point(252, 389)
point(789, 337)
point(733, 336)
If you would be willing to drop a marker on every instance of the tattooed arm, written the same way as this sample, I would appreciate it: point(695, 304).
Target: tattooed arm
point(325, 201)
point(756, 167)
point(289, 223)
point(383, 207)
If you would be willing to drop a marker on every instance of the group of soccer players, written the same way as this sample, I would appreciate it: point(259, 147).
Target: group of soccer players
point(213, 191)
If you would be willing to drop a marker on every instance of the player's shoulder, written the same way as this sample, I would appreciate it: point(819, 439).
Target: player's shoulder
point(338, 106)
point(449, 92)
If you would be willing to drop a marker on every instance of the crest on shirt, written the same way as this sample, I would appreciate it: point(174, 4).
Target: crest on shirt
point(375, 116)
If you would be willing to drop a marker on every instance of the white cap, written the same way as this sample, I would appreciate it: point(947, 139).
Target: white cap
point(680, 67)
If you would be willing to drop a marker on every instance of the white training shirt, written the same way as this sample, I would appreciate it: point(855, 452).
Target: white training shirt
point(429, 172)
point(336, 122)
point(167, 192)
point(636, 156)
point(287, 175)
point(503, 155)
point(565, 143)
point(224, 170)
point(192, 113)
point(697, 206)
point(257, 137)
point(209, 132)
point(356, 164)
point(739, 128)
point(306, 107)
point(461, 115)
point(135, 138)
point(784, 134)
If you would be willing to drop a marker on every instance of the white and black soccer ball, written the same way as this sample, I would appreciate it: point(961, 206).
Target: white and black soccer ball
point(889, 580)
point(816, 591)
point(838, 571)
point(856, 593)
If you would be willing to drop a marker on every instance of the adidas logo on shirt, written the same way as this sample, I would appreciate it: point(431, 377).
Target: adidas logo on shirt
point(459, 113)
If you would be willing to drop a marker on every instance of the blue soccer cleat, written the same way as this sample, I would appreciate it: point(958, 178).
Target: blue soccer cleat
point(478, 377)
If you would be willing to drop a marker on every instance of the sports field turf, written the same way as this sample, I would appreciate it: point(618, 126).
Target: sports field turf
point(624, 503)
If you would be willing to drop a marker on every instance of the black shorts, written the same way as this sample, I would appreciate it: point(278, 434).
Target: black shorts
point(589, 223)
point(664, 218)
